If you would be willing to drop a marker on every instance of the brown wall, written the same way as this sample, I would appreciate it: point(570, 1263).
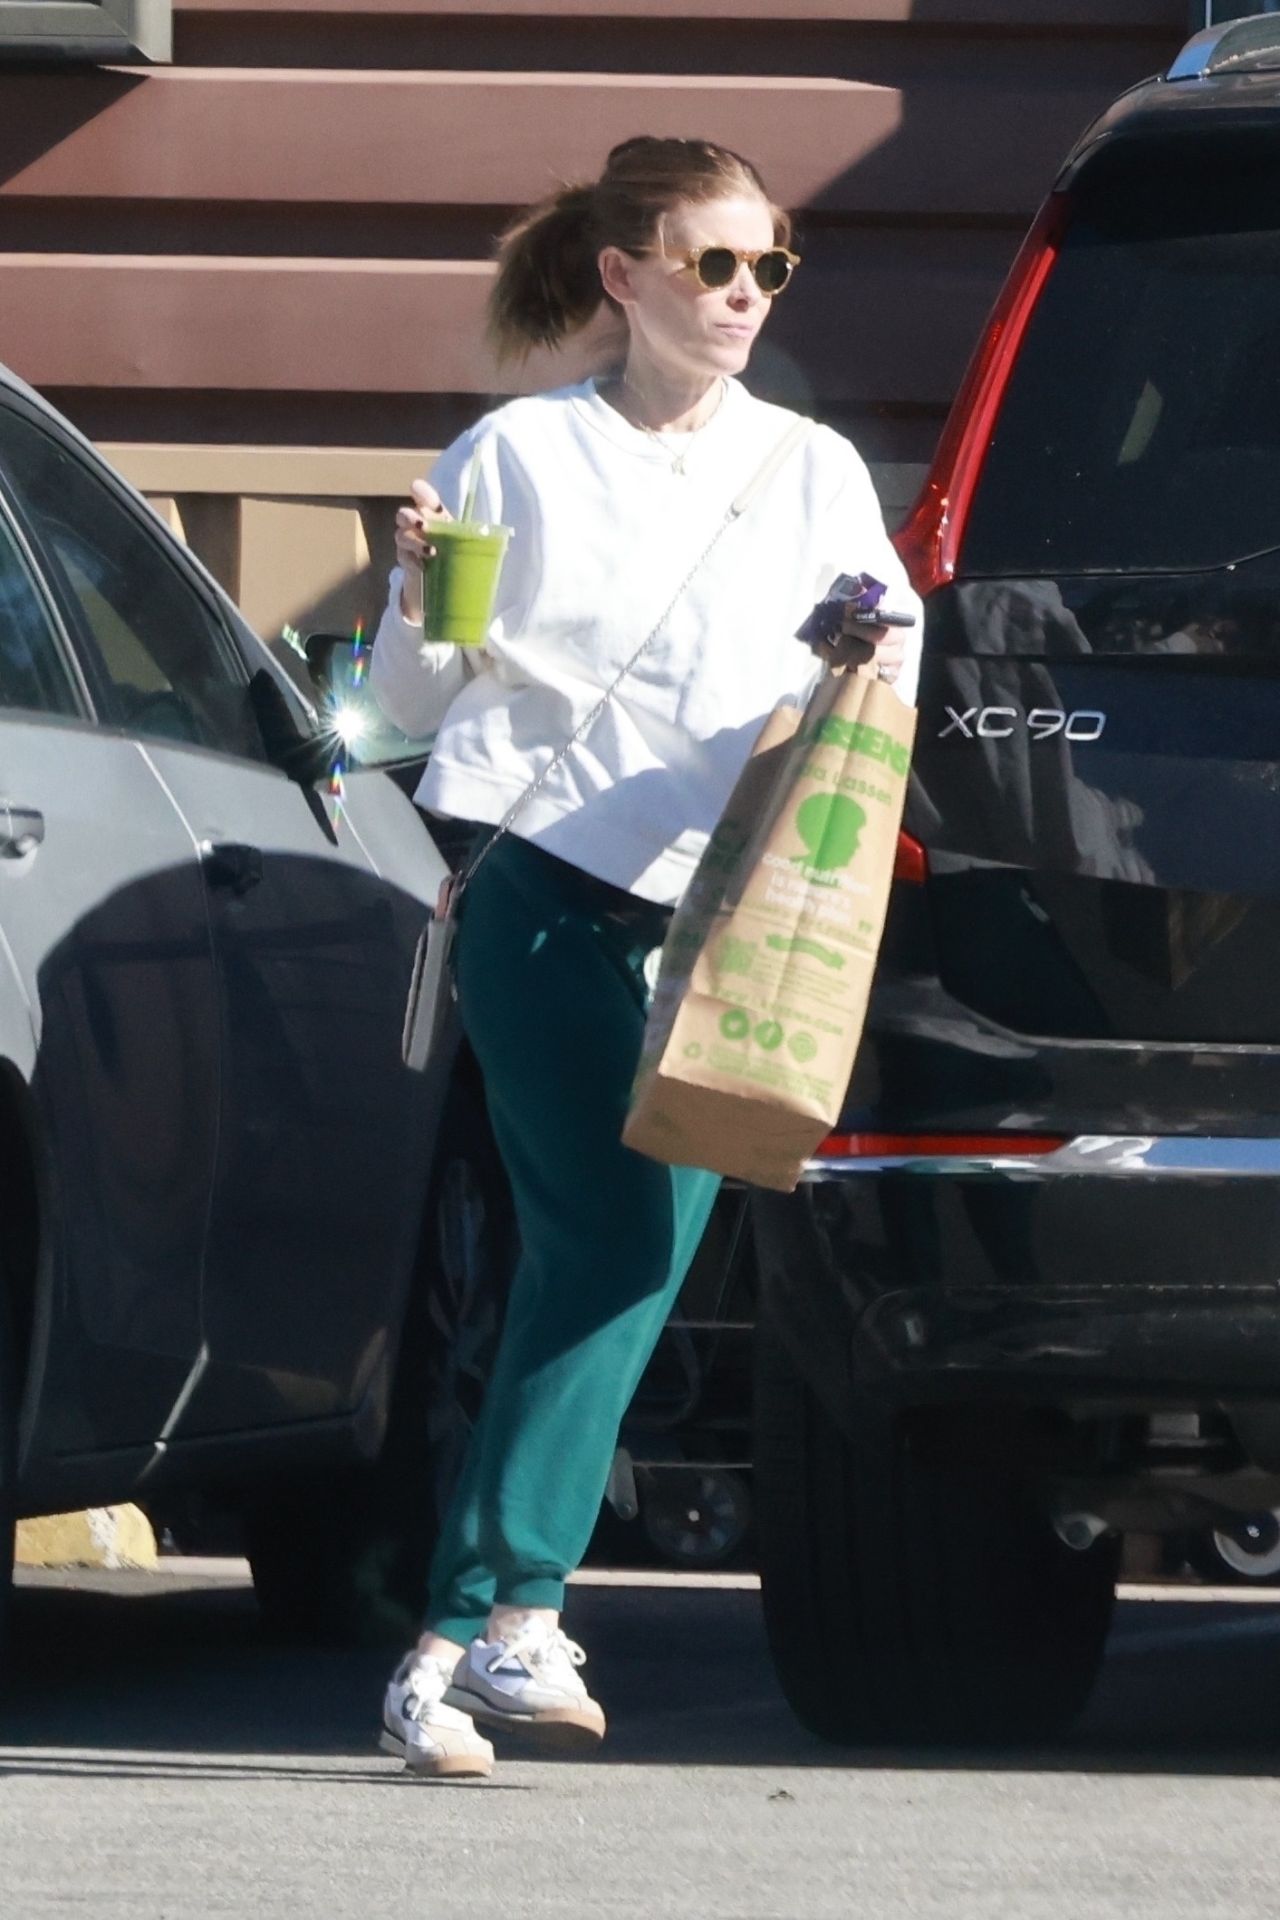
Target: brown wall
point(282, 242)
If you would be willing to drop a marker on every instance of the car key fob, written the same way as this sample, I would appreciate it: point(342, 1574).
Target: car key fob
point(827, 618)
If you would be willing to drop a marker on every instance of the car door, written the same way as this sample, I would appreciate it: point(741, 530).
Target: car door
point(102, 910)
point(311, 1226)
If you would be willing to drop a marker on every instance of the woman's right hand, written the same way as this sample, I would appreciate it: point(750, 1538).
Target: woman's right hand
point(413, 544)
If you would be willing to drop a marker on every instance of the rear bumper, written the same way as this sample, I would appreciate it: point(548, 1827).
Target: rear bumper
point(1133, 1270)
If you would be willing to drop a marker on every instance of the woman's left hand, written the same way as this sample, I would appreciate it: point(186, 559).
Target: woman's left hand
point(849, 647)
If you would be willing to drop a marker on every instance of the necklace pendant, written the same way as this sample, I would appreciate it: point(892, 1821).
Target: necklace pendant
point(677, 465)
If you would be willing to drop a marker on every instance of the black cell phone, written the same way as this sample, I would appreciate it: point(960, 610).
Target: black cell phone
point(879, 617)
point(855, 595)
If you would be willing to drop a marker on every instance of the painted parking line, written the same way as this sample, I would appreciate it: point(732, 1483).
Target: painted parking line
point(1199, 1596)
point(231, 1570)
point(662, 1577)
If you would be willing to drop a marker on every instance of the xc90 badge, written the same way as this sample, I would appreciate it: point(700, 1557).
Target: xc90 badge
point(1042, 723)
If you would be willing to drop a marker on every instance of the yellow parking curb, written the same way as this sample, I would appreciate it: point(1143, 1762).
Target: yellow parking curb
point(106, 1537)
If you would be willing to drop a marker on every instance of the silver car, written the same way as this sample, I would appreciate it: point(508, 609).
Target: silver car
point(213, 1161)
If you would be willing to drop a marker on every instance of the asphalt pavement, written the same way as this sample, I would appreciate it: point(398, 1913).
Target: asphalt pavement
point(160, 1761)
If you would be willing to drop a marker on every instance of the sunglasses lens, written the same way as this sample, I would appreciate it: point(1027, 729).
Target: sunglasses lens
point(773, 270)
point(717, 266)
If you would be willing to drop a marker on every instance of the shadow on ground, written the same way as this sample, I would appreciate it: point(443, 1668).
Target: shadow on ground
point(163, 1679)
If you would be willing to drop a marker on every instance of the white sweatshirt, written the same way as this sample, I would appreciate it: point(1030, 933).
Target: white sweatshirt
point(604, 531)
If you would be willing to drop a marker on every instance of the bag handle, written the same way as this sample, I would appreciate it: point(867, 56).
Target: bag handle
point(797, 432)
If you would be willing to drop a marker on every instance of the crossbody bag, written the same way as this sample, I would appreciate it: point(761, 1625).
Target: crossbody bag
point(431, 987)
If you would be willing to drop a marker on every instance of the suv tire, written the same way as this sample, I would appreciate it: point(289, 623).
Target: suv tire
point(344, 1557)
point(1243, 1556)
point(912, 1590)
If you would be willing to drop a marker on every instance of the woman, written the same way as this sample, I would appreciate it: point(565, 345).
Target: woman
point(614, 488)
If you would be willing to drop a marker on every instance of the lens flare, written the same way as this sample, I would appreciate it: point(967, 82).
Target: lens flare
point(345, 722)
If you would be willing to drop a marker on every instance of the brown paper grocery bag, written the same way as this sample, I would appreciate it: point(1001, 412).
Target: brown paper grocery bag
point(767, 965)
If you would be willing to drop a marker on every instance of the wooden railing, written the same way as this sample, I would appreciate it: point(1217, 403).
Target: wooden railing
point(283, 241)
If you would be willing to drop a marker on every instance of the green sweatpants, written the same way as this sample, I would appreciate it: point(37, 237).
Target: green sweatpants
point(552, 996)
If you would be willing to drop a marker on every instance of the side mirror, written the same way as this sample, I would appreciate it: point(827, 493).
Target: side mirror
point(307, 758)
point(319, 650)
point(366, 738)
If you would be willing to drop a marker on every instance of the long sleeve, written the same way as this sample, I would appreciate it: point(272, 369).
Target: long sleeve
point(415, 681)
point(859, 543)
point(602, 530)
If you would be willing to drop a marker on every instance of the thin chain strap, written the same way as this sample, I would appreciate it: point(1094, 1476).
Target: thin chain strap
point(798, 431)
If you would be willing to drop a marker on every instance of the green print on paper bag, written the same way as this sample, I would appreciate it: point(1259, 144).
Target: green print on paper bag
point(830, 826)
point(799, 943)
point(737, 956)
point(854, 736)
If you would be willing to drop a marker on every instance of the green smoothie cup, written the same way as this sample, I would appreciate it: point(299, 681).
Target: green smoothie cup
point(461, 583)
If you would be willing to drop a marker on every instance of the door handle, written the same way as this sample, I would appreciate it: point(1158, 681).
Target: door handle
point(229, 864)
point(21, 831)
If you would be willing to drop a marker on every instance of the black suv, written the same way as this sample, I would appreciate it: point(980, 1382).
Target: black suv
point(1030, 1298)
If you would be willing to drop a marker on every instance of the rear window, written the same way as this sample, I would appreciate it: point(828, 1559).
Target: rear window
point(1141, 426)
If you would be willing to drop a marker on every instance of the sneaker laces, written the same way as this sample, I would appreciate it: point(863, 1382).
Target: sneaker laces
point(542, 1648)
point(426, 1680)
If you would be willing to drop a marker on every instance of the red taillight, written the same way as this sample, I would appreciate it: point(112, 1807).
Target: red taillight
point(912, 862)
point(924, 1146)
point(929, 542)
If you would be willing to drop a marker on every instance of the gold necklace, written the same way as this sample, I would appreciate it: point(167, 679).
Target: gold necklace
point(677, 459)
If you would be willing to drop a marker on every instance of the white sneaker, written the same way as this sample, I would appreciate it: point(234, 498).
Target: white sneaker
point(529, 1684)
point(418, 1728)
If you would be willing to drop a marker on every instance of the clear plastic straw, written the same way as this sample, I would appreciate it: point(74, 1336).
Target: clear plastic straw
point(472, 488)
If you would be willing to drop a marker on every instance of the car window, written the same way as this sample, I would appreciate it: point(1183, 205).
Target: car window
point(1141, 425)
point(169, 669)
point(34, 677)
